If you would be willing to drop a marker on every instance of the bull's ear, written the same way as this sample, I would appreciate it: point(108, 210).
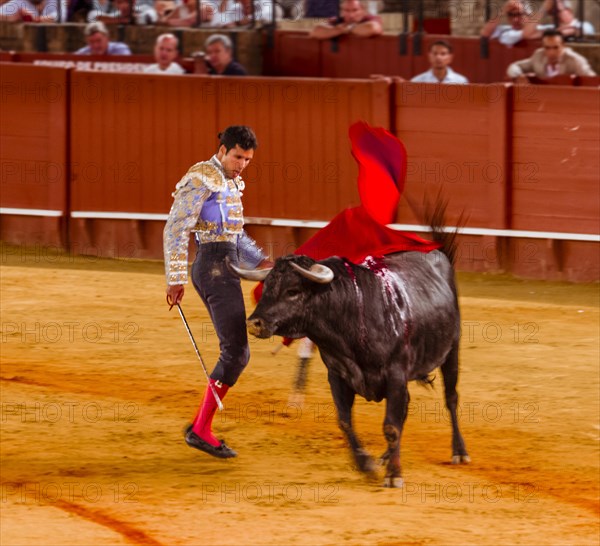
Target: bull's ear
point(317, 273)
point(248, 274)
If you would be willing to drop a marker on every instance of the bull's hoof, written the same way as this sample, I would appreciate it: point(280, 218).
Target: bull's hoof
point(458, 459)
point(390, 481)
point(364, 462)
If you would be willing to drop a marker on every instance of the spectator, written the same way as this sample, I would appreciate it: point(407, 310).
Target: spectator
point(523, 24)
point(440, 58)
point(100, 7)
point(219, 57)
point(165, 53)
point(164, 7)
point(143, 13)
point(96, 36)
point(226, 13)
point(240, 14)
point(185, 14)
point(568, 24)
point(353, 20)
point(29, 11)
point(552, 59)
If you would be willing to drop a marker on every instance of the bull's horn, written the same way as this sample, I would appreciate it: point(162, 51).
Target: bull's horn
point(250, 274)
point(317, 273)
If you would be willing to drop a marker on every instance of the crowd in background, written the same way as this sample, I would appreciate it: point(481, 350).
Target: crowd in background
point(513, 21)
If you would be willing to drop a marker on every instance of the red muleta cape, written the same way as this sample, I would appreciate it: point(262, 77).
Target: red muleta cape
point(361, 231)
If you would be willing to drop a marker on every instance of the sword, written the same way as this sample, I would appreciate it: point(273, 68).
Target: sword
point(212, 387)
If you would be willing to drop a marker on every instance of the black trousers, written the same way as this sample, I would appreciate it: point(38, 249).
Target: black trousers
point(221, 292)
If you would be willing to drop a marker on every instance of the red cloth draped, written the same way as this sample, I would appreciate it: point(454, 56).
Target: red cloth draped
point(361, 231)
point(358, 232)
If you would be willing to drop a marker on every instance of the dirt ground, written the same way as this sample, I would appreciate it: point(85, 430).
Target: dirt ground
point(98, 379)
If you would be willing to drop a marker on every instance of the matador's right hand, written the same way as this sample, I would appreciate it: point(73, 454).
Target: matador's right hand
point(175, 294)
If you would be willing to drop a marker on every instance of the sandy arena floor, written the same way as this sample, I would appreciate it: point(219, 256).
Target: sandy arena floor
point(98, 379)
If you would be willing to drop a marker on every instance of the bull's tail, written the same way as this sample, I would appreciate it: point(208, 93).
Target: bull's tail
point(435, 216)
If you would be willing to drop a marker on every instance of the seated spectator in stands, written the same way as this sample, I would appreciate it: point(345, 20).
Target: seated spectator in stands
point(523, 24)
point(101, 7)
point(165, 53)
point(143, 13)
point(568, 24)
point(263, 14)
point(185, 14)
point(440, 58)
point(226, 13)
point(353, 20)
point(164, 8)
point(321, 8)
point(219, 57)
point(552, 59)
point(96, 36)
point(29, 11)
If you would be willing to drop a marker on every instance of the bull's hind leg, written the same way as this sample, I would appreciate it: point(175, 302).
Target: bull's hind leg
point(450, 373)
point(343, 397)
point(395, 414)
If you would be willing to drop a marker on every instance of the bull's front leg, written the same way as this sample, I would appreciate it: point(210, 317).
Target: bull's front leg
point(395, 415)
point(343, 397)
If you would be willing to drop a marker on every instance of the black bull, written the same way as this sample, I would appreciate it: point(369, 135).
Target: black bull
point(377, 327)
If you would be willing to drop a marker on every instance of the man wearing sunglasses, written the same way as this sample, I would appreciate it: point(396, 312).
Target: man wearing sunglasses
point(522, 24)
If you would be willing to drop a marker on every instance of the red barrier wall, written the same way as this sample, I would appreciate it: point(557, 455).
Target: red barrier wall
point(33, 151)
point(146, 136)
point(511, 157)
point(456, 139)
point(296, 54)
point(555, 138)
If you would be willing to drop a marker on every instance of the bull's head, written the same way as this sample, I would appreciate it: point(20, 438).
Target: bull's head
point(289, 286)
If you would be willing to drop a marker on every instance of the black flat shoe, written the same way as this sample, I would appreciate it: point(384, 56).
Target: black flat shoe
point(221, 451)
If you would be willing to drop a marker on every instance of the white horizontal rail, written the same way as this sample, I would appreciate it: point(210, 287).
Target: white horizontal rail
point(315, 224)
point(31, 212)
point(99, 215)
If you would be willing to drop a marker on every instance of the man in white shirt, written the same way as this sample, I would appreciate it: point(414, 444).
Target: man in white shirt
point(440, 58)
point(165, 53)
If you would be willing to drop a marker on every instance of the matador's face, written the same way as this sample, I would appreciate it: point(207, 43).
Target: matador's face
point(235, 160)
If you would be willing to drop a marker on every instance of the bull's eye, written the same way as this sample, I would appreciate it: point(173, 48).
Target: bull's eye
point(292, 294)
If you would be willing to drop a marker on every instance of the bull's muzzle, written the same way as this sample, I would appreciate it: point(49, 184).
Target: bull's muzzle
point(257, 327)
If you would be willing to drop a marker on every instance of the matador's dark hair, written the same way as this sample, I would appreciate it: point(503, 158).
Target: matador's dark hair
point(239, 135)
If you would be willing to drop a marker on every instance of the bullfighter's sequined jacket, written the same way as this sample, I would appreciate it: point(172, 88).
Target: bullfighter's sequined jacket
point(208, 204)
